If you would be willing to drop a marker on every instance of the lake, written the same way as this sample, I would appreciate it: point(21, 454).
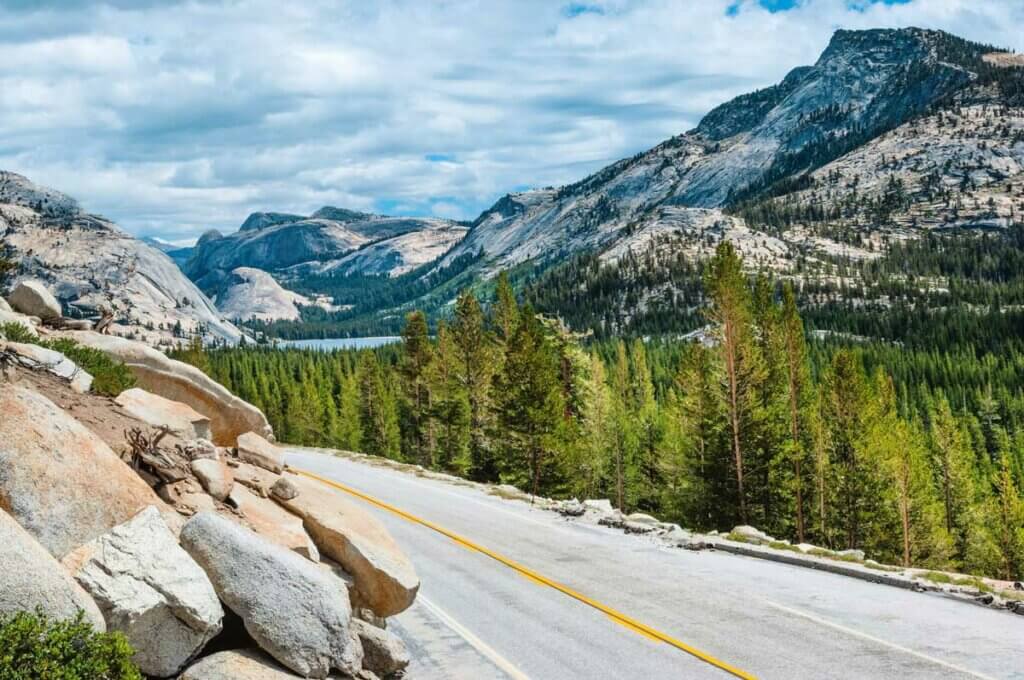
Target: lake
point(328, 344)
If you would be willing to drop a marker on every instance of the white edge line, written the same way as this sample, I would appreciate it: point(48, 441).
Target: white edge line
point(879, 641)
point(475, 642)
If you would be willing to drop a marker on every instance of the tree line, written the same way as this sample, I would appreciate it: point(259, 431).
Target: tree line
point(747, 424)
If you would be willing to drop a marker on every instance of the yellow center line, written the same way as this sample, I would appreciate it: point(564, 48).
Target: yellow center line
point(617, 616)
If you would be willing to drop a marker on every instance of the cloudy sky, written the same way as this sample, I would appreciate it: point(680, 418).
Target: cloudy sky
point(175, 117)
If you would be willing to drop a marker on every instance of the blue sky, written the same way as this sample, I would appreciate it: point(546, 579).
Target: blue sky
point(173, 117)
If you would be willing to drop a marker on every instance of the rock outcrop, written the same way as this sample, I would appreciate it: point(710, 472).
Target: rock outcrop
point(237, 664)
point(151, 590)
point(255, 450)
point(32, 298)
point(34, 356)
point(229, 416)
point(181, 419)
point(90, 264)
point(31, 578)
point(58, 479)
point(384, 578)
point(294, 610)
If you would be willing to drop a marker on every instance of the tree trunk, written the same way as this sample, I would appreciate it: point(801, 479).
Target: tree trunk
point(729, 343)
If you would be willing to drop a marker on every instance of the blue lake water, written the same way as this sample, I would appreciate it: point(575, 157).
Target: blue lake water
point(341, 343)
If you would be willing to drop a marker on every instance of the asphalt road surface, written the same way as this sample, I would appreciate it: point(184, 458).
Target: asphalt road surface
point(478, 618)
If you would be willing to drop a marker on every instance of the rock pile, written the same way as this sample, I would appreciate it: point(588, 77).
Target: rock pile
point(165, 538)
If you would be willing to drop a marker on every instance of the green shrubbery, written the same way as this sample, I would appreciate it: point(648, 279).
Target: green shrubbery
point(109, 377)
point(15, 332)
point(35, 648)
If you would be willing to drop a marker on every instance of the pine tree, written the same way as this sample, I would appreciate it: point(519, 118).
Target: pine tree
point(741, 363)
point(377, 416)
point(796, 380)
point(625, 436)
point(415, 368)
point(953, 464)
point(475, 358)
point(528, 401)
point(451, 406)
point(505, 314)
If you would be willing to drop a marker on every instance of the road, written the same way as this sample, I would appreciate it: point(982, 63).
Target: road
point(477, 618)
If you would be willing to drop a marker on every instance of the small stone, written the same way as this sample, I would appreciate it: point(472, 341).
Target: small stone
point(284, 489)
point(384, 652)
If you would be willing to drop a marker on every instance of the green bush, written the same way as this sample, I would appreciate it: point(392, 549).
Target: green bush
point(15, 332)
point(35, 648)
point(109, 377)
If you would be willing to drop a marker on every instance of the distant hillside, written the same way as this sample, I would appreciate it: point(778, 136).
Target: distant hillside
point(90, 264)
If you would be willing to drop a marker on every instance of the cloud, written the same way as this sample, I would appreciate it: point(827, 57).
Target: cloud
point(175, 117)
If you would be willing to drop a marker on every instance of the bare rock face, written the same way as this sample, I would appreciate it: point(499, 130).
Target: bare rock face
point(34, 299)
point(384, 577)
point(229, 416)
point(58, 479)
point(30, 577)
point(292, 608)
point(273, 522)
point(215, 476)
point(384, 652)
point(151, 590)
point(254, 449)
point(54, 362)
point(181, 419)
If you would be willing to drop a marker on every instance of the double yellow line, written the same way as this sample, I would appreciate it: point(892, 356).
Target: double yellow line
point(613, 614)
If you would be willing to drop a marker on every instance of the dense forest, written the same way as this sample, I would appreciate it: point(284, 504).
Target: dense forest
point(915, 455)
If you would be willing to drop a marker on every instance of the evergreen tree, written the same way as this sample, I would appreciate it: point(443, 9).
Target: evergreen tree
point(378, 417)
point(451, 406)
point(528, 401)
point(474, 366)
point(740, 361)
point(416, 370)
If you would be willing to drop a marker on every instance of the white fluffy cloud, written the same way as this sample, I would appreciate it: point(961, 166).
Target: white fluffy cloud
point(176, 117)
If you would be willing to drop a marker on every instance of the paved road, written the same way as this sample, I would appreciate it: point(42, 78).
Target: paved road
point(477, 618)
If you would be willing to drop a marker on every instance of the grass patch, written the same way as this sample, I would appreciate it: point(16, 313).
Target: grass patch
point(779, 545)
point(15, 332)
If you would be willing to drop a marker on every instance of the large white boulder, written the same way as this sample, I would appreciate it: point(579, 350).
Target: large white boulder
point(4, 306)
point(30, 577)
point(297, 612)
point(384, 577)
point(151, 590)
point(58, 479)
point(33, 298)
point(54, 362)
point(229, 416)
point(254, 449)
point(181, 419)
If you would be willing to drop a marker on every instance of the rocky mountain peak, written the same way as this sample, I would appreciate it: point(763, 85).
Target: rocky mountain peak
point(262, 220)
point(329, 212)
point(19, 190)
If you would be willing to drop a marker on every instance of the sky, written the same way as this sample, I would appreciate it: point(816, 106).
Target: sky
point(173, 118)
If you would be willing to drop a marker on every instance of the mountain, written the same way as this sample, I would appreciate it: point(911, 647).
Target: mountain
point(254, 294)
point(88, 262)
point(865, 84)
point(325, 241)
